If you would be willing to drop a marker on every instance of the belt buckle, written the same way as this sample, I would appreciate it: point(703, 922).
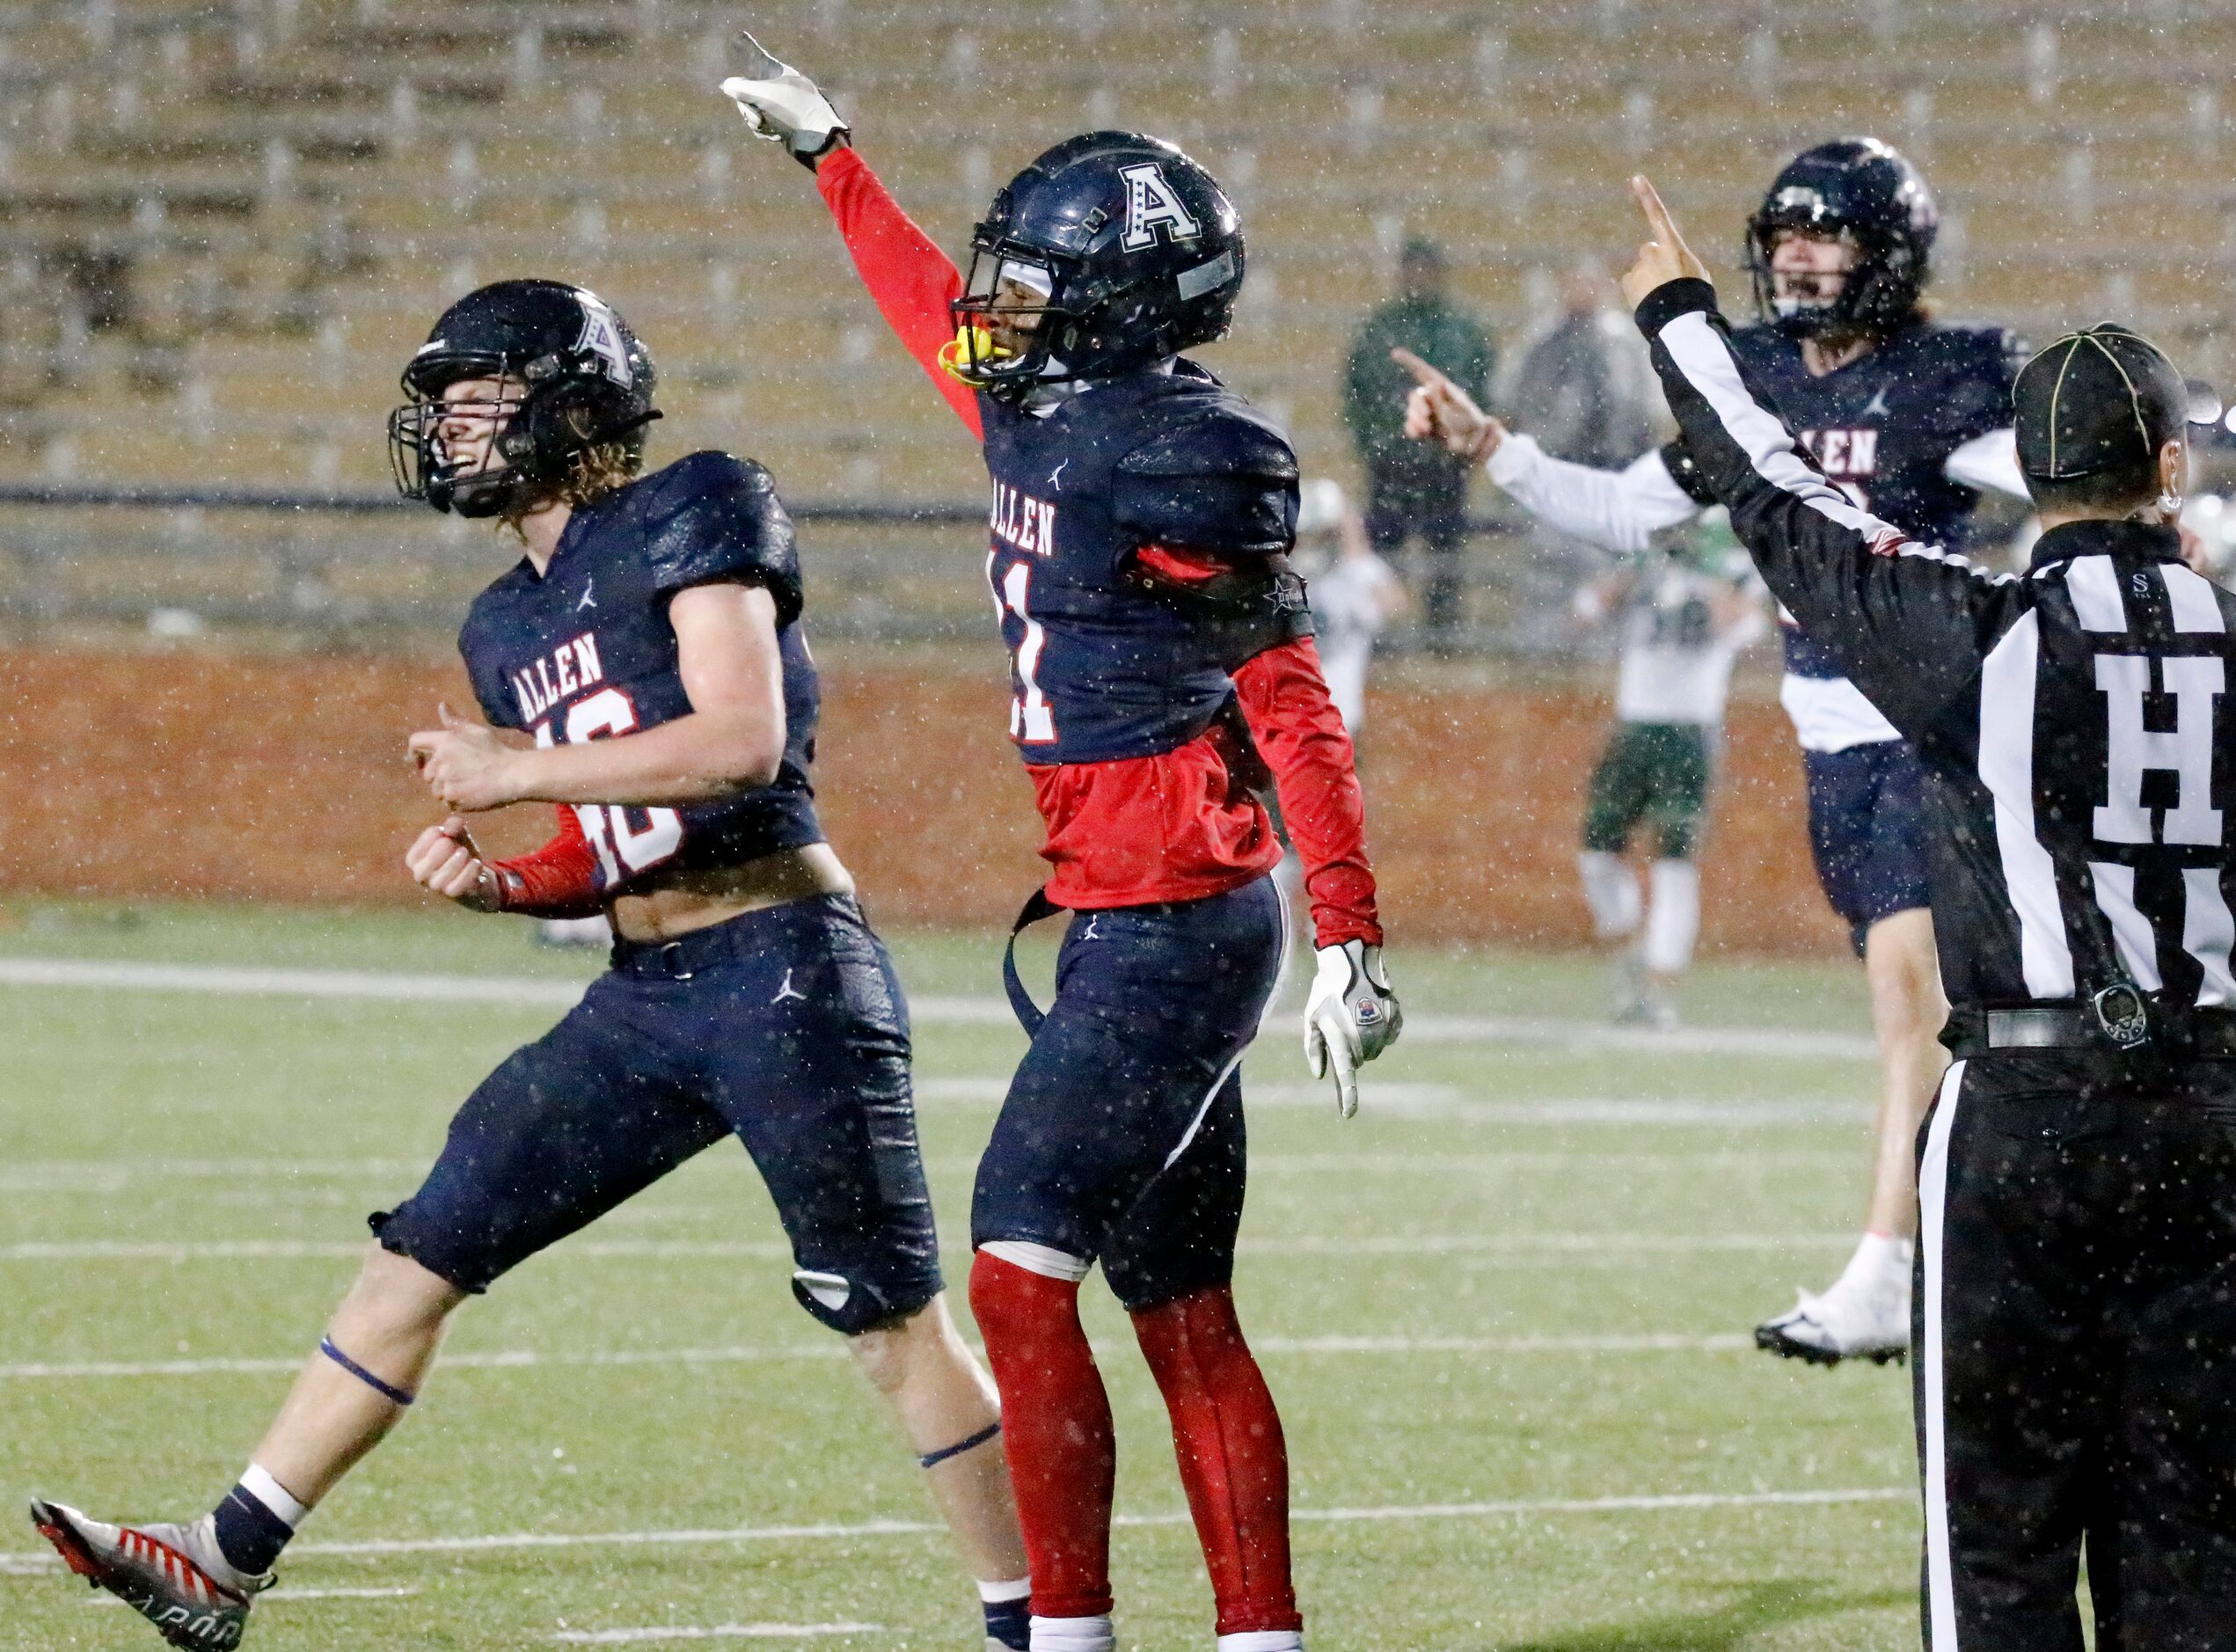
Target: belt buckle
point(670, 965)
point(2122, 1014)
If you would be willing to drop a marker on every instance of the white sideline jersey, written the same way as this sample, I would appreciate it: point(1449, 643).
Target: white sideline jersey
point(1676, 663)
point(1348, 597)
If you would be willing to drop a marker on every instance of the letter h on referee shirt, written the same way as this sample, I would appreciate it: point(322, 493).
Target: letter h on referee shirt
point(2194, 681)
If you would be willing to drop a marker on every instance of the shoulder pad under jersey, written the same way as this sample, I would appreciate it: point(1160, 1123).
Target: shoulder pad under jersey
point(1762, 347)
point(1210, 474)
point(710, 517)
point(1976, 366)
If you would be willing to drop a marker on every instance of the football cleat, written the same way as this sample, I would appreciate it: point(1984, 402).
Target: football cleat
point(172, 1575)
point(1852, 1321)
point(1650, 1009)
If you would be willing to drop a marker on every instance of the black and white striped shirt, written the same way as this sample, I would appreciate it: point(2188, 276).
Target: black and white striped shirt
point(2072, 721)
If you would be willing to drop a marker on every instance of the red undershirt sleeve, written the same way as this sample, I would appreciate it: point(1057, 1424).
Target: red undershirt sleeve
point(1301, 736)
point(909, 279)
point(561, 880)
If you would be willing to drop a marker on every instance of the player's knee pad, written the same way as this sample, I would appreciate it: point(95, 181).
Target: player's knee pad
point(1673, 918)
point(1610, 890)
point(849, 1306)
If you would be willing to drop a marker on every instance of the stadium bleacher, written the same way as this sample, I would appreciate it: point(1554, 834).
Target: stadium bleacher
point(223, 227)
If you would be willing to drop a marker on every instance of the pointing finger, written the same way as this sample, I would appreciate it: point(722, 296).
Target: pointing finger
point(1423, 374)
point(1347, 1078)
point(1657, 215)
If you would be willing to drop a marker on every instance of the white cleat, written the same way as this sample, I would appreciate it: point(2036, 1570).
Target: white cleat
point(1852, 1321)
point(172, 1575)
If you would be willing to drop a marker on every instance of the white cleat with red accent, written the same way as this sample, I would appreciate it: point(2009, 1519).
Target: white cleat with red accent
point(172, 1575)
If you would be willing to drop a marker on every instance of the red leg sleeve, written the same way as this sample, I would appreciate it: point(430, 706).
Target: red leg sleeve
point(1301, 736)
point(1055, 1432)
point(1233, 1460)
point(561, 880)
point(911, 279)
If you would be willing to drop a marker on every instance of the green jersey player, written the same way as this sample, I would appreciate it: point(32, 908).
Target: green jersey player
point(1685, 608)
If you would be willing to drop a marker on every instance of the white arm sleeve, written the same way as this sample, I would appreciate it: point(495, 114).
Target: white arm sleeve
point(1619, 509)
point(1988, 461)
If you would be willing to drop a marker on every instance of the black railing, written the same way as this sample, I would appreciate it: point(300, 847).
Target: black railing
point(69, 495)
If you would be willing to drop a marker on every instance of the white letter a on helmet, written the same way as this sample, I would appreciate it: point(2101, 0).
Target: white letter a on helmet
point(1150, 202)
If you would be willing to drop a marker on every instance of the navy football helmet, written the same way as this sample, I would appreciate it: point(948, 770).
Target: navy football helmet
point(1109, 252)
point(1864, 191)
point(576, 377)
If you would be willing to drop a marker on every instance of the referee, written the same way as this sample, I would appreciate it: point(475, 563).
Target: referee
point(2076, 1299)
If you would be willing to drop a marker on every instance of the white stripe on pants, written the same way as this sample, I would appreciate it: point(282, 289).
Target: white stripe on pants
point(1933, 1194)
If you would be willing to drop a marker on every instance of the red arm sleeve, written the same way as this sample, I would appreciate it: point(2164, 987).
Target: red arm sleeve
point(1301, 736)
point(911, 279)
point(561, 880)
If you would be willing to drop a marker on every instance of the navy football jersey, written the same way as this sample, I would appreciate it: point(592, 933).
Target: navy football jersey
point(1883, 427)
point(1105, 664)
point(585, 652)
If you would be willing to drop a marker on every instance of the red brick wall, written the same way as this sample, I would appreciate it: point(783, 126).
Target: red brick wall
point(171, 775)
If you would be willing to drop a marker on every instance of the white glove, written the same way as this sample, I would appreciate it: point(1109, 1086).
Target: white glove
point(782, 104)
point(1350, 1017)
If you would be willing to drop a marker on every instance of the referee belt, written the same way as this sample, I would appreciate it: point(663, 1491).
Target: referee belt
point(2197, 1035)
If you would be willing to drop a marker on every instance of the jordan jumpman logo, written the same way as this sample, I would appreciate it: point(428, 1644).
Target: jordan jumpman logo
point(787, 990)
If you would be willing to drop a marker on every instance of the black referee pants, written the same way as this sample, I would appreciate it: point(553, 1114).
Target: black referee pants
point(2076, 1369)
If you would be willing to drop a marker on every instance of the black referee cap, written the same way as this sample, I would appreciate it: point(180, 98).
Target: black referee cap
point(2103, 398)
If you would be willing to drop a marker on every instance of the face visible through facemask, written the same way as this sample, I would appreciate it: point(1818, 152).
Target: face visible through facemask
point(474, 411)
point(1809, 268)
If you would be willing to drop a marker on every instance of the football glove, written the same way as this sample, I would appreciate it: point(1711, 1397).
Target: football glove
point(782, 104)
point(1350, 1017)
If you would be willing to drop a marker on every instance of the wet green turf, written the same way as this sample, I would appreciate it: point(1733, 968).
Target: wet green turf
point(1402, 1274)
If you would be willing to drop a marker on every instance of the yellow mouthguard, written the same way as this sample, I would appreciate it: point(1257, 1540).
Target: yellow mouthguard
point(960, 355)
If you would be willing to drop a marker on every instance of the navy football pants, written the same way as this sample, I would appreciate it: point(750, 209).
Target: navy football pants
point(1122, 1139)
point(785, 1028)
point(1867, 830)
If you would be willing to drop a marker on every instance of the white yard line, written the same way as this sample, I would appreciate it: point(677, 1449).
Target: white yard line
point(717, 1632)
point(1642, 1503)
point(283, 1595)
point(76, 1178)
point(675, 1250)
point(934, 1009)
point(525, 1359)
point(111, 977)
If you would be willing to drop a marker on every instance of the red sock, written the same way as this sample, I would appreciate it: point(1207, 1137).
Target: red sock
point(1233, 1460)
point(1055, 1432)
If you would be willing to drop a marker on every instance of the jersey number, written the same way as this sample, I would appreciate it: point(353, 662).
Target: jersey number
point(617, 840)
point(1032, 721)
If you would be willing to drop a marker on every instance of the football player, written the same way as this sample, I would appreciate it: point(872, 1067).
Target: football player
point(1159, 652)
point(1685, 609)
point(1911, 417)
point(643, 668)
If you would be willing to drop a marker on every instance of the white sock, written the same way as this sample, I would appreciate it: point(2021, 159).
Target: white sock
point(1673, 919)
point(1263, 1640)
point(1610, 889)
point(994, 1593)
point(1881, 1262)
point(257, 1481)
point(1073, 1635)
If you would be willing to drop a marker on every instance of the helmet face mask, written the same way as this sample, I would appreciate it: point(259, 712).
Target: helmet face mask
point(570, 378)
point(1011, 313)
point(449, 447)
point(1108, 254)
point(1863, 194)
